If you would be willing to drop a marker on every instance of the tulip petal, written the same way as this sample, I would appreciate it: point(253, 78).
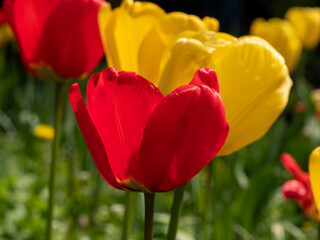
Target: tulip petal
point(206, 76)
point(211, 24)
point(184, 57)
point(282, 36)
point(290, 164)
point(70, 35)
point(182, 136)
point(91, 136)
point(294, 189)
point(225, 39)
point(123, 34)
point(314, 171)
point(119, 105)
point(26, 24)
point(160, 37)
point(254, 86)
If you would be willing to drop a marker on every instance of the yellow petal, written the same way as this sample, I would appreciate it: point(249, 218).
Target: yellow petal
point(306, 22)
point(314, 171)
point(184, 57)
point(282, 36)
point(161, 36)
point(225, 39)
point(123, 31)
point(211, 24)
point(254, 86)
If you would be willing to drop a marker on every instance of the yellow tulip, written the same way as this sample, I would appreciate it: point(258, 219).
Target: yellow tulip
point(306, 22)
point(44, 131)
point(282, 36)
point(253, 78)
point(136, 34)
point(314, 172)
point(123, 29)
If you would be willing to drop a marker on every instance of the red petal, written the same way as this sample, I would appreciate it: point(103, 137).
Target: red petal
point(27, 19)
point(2, 17)
point(71, 34)
point(91, 136)
point(294, 189)
point(183, 134)
point(207, 77)
point(290, 164)
point(62, 34)
point(120, 105)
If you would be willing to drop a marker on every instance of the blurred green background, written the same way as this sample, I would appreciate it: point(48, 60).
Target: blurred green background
point(246, 199)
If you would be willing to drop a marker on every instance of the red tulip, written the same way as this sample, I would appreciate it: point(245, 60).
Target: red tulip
point(58, 39)
point(143, 141)
point(300, 187)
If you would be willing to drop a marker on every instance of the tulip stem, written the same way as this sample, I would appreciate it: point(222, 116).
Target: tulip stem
point(175, 212)
point(127, 216)
point(55, 153)
point(148, 219)
point(318, 223)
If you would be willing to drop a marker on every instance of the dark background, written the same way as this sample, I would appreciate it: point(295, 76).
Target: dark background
point(234, 16)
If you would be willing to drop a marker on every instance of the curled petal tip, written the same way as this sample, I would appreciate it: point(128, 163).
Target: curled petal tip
point(74, 95)
point(110, 73)
point(286, 158)
point(74, 89)
point(207, 77)
point(291, 165)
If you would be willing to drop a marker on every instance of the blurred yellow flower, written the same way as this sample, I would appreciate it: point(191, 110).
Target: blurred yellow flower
point(136, 34)
point(314, 169)
point(281, 35)
point(253, 79)
point(44, 131)
point(306, 22)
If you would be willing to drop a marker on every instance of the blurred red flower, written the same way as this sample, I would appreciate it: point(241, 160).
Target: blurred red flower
point(58, 39)
point(143, 141)
point(300, 187)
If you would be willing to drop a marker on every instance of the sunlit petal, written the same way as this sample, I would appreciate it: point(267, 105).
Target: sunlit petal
point(282, 36)
point(314, 172)
point(123, 32)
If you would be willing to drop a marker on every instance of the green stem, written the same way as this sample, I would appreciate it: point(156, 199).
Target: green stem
point(175, 212)
point(127, 216)
point(206, 206)
point(148, 215)
point(318, 223)
point(55, 153)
